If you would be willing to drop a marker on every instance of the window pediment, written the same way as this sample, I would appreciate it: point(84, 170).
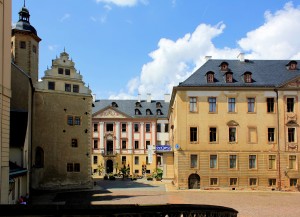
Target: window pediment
point(232, 123)
point(292, 123)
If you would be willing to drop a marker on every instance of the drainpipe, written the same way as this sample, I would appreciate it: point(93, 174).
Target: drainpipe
point(278, 144)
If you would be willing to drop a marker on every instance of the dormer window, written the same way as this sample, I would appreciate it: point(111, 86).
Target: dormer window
point(210, 77)
point(292, 65)
point(114, 104)
point(248, 77)
point(138, 104)
point(137, 112)
point(158, 112)
point(158, 105)
point(224, 66)
point(148, 112)
point(228, 77)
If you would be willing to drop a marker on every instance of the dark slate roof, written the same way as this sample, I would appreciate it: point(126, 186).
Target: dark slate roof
point(265, 73)
point(128, 107)
point(15, 170)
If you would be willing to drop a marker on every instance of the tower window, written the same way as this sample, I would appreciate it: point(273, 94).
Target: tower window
point(67, 71)
point(60, 71)
point(76, 88)
point(51, 85)
point(33, 48)
point(22, 44)
point(68, 87)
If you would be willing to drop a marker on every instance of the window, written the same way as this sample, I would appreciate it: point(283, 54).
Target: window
point(33, 48)
point(148, 112)
point(76, 88)
point(136, 127)
point(70, 167)
point(247, 77)
point(158, 142)
point(270, 105)
point(158, 105)
point(212, 134)
point(194, 161)
point(95, 159)
point(252, 161)
point(212, 104)
point(210, 78)
point(290, 104)
point(60, 71)
point(109, 127)
point(70, 120)
point(213, 161)
point(39, 157)
point(22, 44)
point(233, 181)
point(136, 171)
point(136, 160)
point(136, 144)
point(231, 104)
point(76, 167)
point(123, 144)
point(252, 137)
point(124, 127)
point(271, 134)
point(67, 71)
point(148, 127)
point(95, 127)
point(253, 181)
point(77, 120)
point(251, 104)
point(158, 127)
point(292, 162)
point(137, 112)
point(193, 104)
point(293, 182)
point(95, 144)
point(291, 134)
point(232, 161)
point(124, 160)
point(74, 143)
point(272, 182)
point(272, 162)
point(232, 134)
point(166, 128)
point(68, 87)
point(213, 181)
point(229, 78)
point(51, 85)
point(193, 134)
point(158, 112)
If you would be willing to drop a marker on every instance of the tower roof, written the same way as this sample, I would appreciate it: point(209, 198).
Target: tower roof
point(24, 24)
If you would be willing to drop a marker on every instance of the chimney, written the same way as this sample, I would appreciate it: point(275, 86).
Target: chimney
point(94, 97)
point(148, 97)
point(139, 97)
point(167, 97)
point(207, 58)
point(241, 56)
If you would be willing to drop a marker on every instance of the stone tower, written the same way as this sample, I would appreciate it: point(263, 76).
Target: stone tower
point(25, 45)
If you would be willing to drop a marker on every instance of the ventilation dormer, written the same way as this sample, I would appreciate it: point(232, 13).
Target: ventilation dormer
point(138, 104)
point(114, 104)
point(210, 77)
point(224, 66)
point(292, 65)
point(158, 105)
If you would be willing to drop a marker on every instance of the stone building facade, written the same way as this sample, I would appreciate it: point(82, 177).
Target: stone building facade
point(234, 126)
point(123, 132)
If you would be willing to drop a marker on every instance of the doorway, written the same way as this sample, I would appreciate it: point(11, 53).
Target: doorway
point(109, 166)
point(194, 181)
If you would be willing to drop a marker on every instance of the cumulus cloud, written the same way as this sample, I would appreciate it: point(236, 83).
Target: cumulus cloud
point(174, 60)
point(121, 3)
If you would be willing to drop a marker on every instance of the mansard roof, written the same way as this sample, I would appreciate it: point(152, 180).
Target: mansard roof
point(265, 73)
point(129, 107)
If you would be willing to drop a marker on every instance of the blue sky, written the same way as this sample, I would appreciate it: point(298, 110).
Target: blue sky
point(126, 47)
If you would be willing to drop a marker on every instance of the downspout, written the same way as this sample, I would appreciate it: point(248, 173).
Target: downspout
point(31, 134)
point(278, 144)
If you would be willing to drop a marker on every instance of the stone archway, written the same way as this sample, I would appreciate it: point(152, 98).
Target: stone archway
point(194, 181)
point(109, 166)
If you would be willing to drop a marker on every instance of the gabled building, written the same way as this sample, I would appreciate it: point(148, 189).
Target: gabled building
point(234, 125)
point(61, 128)
point(127, 132)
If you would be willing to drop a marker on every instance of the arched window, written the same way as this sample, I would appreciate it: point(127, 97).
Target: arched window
point(148, 112)
point(158, 105)
point(158, 112)
point(39, 157)
point(229, 77)
point(210, 77)
point(248, 77)
point(224, 66)
point(114, 104)
point(138, 104)
point(292, 65)
point(137, 112)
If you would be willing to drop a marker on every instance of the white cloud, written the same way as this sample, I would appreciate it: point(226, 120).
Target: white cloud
point(121, 3)
point(174, 60)
point(52, 47)
point(65, 17)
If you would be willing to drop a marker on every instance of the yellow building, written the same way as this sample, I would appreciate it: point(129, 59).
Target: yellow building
point(234, 126)
point(61, 128)
point(126, 133)
point(5, 96)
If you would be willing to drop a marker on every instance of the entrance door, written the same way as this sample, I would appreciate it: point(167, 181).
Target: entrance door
point(194, 181)
point(109, 166)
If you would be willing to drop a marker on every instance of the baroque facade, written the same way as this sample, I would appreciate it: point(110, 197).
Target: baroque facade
point(127, 133)
point(234, 125)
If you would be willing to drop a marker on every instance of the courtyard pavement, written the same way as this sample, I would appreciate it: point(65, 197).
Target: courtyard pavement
point(247, 203)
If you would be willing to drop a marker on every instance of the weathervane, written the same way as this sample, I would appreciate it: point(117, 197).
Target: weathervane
point(24, 4)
